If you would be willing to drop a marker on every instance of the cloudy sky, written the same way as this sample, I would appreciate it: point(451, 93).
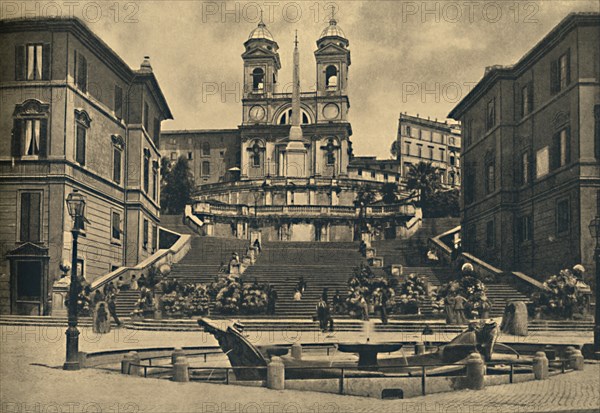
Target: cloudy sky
point(407, 56)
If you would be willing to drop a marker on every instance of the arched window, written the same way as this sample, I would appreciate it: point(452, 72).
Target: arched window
point(258, 80)
point(205, 148)
point(286, 117)
point(331, 77)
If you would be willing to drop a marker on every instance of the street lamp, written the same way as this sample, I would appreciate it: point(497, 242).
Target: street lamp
point(76, 207)
point(595, 232)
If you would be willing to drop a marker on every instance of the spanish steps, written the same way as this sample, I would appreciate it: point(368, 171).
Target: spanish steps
point(321, 264)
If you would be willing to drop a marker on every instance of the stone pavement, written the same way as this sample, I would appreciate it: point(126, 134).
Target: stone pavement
point(31, 381)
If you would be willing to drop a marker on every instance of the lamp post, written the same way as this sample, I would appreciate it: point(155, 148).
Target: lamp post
point(595, 232)
point(76, 207)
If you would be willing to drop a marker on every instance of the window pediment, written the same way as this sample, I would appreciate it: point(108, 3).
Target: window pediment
point(31, 107)
point(82, 117)
point(118, 141)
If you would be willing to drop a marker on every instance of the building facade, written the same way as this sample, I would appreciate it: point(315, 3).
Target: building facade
point(75, 117)
point(531, 154)
point(287, 168)
point(426, 140)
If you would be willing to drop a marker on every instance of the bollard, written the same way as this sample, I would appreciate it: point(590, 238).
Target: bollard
point(276, 374)
point(475, 372)
point(540, 366)
point(297, 351)
point(127, 358)
point(419, 348)
point(131, 358)
point(576, 360)
point(567, 356)
point(181, 373)
point(550, 352)
point(178, 352)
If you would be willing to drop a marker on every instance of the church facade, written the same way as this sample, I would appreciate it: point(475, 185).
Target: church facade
point(288, 168)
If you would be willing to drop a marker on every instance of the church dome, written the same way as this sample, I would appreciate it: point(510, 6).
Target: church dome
point(261, 32)
point(333, 30)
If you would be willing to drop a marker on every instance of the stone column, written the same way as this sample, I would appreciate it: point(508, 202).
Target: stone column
point(276, 374)
point(178, 352)
point(540, 366)
point(576, 360)
point(181, 371)
point(297, 351)
point(475, 372)
point(131, 358)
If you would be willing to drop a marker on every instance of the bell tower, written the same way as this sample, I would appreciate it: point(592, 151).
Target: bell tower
point(261, 66)
point(333, 59)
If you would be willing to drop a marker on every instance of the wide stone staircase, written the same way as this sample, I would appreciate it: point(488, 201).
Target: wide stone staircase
point(125, 302)
point(413, 251)
point(201, 264)
point(322, 264)
point(175, 223)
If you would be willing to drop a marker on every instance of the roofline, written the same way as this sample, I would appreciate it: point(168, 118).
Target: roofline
point(195, 131)
point(566, 25)
point(81, 30)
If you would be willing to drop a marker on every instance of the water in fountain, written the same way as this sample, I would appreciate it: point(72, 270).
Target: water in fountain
point(368, 329)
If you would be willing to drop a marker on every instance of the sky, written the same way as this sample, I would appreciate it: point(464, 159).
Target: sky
point(407, 56)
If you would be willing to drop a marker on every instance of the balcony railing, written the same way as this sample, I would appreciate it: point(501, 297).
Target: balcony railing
point(313, 211)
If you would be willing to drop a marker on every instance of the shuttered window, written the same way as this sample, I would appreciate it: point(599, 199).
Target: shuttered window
point(81, 72)
point(561, 154)
point(80, 144)
point(29, 137)
point(146, 170)
point(116, 226)
point(560, 73)
point(118, 102)
point(30, 222)
point(32, 62)
point(117, 164)
point(145, 235)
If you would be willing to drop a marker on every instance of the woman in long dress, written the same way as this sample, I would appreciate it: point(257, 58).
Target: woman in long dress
point(459, 309)
point(449, 309)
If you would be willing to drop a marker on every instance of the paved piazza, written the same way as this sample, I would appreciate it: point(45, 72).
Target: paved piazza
point(32, 381)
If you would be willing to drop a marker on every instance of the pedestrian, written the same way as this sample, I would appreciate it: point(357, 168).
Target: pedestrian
point(271, 300)
point(119, 284)
point(486, 307)
point(96, 298)
point(142, 282)
point(101, 323)
point(112, 309)
point(460, 303)
point(134, 284)
point(364, 308)
point(324, 316)
point(297, 295)
point(325, 294)
point(257, 245)
point(449, 309)
point(301, 285)
point(382, 300)
point(337, 303)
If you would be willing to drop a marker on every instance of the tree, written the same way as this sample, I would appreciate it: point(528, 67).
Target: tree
point(443, 204)
point(178, 187)
point(424, 179)
point(364, 197)
point(389, 193)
